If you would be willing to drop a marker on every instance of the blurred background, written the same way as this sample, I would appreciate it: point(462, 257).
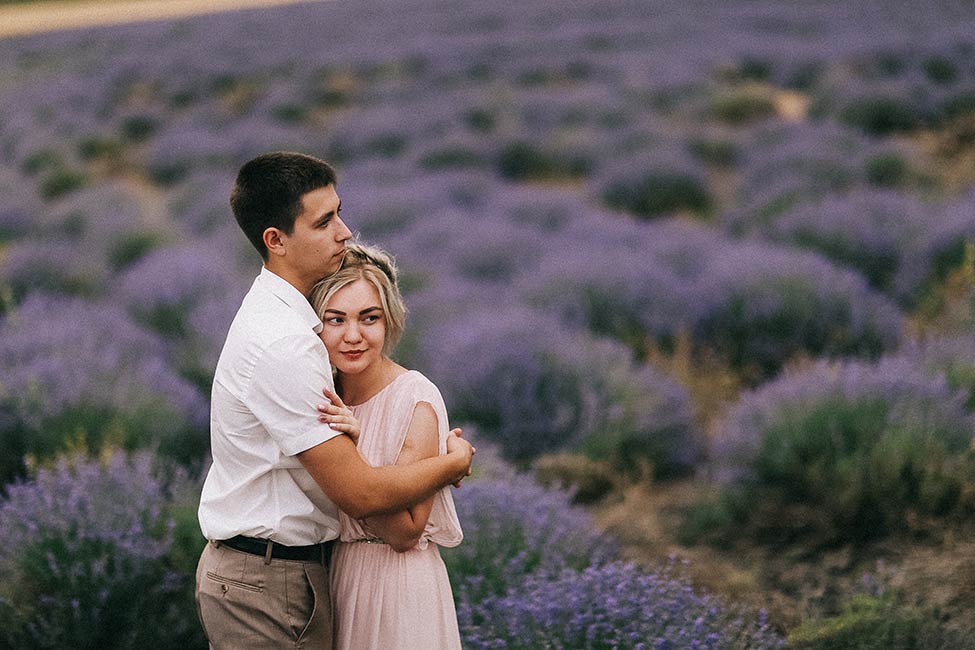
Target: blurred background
point(698, 277)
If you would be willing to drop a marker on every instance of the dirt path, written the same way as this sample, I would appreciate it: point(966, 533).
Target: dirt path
point(72, 14)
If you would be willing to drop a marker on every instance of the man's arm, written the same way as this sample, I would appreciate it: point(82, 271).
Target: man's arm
point(361, 490)
point(284, 393)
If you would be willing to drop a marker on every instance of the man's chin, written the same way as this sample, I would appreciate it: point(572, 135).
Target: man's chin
point(332, 270)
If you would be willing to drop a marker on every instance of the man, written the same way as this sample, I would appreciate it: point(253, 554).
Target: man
point(279, 471)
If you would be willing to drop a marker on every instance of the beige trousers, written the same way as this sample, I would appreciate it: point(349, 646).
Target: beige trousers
point(245, 603)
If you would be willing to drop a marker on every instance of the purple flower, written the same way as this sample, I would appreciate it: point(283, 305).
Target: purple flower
point(861, 442)
point(952, 357)
point(514, 527)
point(874, 232)
point(761, 305)
point(87, 546)
point(614, 605)
point(81, 373)
point(532, 386)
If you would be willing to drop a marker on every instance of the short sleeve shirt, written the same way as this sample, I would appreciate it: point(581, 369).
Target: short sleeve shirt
point(266, 388)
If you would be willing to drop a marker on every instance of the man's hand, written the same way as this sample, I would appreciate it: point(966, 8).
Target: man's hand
point(338, 416)
point(462, 449)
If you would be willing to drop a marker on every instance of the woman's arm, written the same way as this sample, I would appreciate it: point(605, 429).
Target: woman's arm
point(402, 530)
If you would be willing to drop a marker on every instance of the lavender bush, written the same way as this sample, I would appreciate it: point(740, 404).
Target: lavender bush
point(49, 265)
point(189, 295)
point(533, 572)
point(533, 387)
point(756, 305)
point(649, 186)
point(513, 528)
point(86, 558)
point(874, 232)
point(477, 144)
point(856, 446)
point(939, 250)
point(81, 374)
point(787, 165)
point(614, 605)
point(764, 305)
point(952, 357)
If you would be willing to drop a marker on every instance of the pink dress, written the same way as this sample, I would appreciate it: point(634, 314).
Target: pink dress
point(384, 599)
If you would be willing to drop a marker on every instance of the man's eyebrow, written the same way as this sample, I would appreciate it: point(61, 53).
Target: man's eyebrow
point(328, 215)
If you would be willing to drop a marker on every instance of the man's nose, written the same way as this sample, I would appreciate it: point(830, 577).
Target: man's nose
point(343, 233)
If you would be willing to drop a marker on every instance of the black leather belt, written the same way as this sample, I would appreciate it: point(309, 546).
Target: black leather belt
point(255, 546)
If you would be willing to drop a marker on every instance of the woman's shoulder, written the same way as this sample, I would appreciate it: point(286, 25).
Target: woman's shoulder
point(421, 388)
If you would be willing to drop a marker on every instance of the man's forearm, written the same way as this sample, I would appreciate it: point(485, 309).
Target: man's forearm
point(397, 487)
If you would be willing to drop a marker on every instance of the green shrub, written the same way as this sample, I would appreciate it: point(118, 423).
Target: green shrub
point(138, 128)
point(658, 193)
point(847, 452)
point(168, 174)
point(752, 67)
point(525, 161)
point(331, 98)
point(97, 146)
point(805, 76)
point(452, 158)
point(387, 145)
point(880, 115)
point(130, 247)
point(875, 623)
point(587, 480)
point(719, 153)
point(41, 160)
point(940, 70)
point(60, 182)
point(958, 105)
point(481, 120)
point(741, 107)
point(888, 170)
point(290, 113)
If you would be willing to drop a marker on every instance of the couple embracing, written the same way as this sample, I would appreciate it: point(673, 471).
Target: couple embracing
point(324, 517)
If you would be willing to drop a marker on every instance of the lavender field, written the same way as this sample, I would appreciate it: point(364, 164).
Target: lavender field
point(705, 269)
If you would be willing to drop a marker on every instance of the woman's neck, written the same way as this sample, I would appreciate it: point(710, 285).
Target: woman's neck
point(356, 389)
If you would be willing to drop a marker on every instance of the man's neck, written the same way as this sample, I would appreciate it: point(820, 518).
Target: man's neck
point(290, 277)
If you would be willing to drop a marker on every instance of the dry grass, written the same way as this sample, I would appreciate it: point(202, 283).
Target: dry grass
point(796, 583)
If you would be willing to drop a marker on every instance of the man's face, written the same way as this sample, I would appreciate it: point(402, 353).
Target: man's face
point(316, 245)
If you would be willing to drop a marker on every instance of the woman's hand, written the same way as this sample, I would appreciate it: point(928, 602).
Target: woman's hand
point(338, 416)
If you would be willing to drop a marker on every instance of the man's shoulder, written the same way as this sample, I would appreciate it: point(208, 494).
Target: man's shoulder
point(264, 324)
point(267, 317)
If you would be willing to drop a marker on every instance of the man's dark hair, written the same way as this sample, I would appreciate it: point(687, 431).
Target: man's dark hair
point(268, 191)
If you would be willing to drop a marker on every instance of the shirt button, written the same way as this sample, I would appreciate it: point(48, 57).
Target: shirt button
point(225, 588)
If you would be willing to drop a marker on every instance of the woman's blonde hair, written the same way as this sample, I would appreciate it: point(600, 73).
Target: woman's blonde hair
point(362, 262)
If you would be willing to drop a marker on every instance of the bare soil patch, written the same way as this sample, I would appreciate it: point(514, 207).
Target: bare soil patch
point(33, 17)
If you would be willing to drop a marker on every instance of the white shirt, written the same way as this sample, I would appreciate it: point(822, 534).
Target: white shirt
point(267, 385)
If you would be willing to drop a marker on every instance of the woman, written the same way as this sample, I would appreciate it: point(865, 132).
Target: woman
point(389, 585)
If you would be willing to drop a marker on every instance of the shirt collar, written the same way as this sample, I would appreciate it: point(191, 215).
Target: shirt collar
point(289, 295)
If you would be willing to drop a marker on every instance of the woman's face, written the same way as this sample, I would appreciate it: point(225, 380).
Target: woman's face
point(354, 327)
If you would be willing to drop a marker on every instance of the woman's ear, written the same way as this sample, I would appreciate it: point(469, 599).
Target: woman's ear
point(274, 241)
